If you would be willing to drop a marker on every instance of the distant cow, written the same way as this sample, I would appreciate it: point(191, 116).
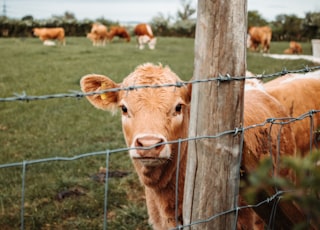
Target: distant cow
point(152, 117)
point(45, 34)
point(98, 34)
point(144, 36)
point(259, 36)
point(118, 31)
point(288, 51)
point(294, 48)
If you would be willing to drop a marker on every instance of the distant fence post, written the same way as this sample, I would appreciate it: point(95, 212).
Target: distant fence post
point(315, 47)
point(212, 170)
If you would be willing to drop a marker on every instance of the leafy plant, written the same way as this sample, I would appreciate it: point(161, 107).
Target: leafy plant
point(304, 191)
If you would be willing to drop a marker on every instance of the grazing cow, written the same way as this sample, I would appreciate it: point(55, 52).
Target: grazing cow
point(144, 36)
point(98, 34)
point(45, 34)
point(118, 31)
point(151, 117)
point(294, 48)
point(299, 93)
point(260, 36)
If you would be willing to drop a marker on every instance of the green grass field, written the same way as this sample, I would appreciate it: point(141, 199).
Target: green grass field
point(64, 194)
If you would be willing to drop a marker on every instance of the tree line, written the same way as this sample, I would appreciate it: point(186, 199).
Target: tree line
point(181, 25)
point(284, 27)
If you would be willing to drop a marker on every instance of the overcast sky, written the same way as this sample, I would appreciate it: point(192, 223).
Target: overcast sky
point(139, 10)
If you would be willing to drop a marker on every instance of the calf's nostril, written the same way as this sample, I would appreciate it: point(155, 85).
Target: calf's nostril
point(159, 145)
point(138, 143)
point(149, 141)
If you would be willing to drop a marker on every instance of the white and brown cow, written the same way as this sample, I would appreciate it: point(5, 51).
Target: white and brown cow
point(145, 36)
point(155, 116)
point(46, 34)
point(98, 34)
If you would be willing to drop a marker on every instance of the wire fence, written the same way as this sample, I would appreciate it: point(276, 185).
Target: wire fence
point(237, 130)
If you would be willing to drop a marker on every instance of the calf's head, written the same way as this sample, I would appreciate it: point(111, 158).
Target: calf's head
point(151, 116)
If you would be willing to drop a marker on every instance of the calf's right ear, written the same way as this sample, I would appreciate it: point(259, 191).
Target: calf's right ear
point(93, 83)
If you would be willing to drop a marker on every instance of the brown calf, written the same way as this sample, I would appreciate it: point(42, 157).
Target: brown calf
point(151, 117)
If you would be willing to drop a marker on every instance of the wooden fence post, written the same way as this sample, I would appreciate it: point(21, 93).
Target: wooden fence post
point(212, 170)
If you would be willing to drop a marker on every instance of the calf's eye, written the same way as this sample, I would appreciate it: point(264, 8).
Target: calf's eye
point(124, 109)
point(178, 108)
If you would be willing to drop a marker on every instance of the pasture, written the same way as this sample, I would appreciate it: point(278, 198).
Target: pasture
point(70, 194)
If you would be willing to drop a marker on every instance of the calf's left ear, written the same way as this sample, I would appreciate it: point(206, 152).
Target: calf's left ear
point(92, 84)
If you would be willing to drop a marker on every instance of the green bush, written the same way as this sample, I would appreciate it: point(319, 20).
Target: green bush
point(305, 192)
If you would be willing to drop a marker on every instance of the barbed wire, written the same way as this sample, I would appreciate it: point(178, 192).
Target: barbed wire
point(220, 78)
